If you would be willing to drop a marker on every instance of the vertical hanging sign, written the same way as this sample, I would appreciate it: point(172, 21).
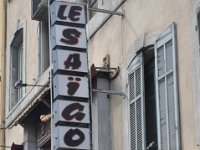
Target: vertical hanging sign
point(71, 117)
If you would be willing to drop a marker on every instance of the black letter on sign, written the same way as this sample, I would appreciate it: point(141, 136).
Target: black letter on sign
point(73, 85)
point(70, 140)
point(70, 36)
point(73, 61)
point(61, 12)
point(67, 112)
point(75, 11)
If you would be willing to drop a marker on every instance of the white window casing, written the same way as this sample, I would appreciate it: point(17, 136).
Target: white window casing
point(166, 90)
point(16, 68)
point(136, 104)
point(16, 64)
point(166, 87)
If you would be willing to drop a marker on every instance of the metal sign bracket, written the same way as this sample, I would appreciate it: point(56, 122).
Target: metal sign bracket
point(110, 92)
point(106, 11)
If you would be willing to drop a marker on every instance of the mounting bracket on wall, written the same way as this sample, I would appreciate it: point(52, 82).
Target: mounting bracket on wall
point(110, 92)
point(106, 11)
point(104, 72)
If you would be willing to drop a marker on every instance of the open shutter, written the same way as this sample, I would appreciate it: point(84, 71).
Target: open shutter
point(136, 101)
point(166, 91)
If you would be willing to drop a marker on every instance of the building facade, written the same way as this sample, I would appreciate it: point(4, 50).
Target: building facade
point(27, 61)
point(2, 72)
point(143, 61)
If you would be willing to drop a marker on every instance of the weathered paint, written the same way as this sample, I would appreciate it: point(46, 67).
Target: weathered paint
point(121, 38)
point(142, 23)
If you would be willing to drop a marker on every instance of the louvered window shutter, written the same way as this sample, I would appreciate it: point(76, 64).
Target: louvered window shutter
point(136, 101)
point(166, 91)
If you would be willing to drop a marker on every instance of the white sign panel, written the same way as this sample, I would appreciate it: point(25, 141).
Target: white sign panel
point(68, 36)
point(72, 137)
point(71, 121)
point(70, 61)
point(67, 85)
point(68, 12)
point(71, 111)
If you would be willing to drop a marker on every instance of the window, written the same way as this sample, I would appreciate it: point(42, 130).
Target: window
point(17, 67)
point(20, 67)
point(43, 62)
point(154, 122)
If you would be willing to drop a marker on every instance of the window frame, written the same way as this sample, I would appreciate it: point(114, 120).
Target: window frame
point(169, 33)
point(13, 46)
point(136, 64)
point(166, 36)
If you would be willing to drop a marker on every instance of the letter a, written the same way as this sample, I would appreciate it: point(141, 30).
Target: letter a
point(73, 61)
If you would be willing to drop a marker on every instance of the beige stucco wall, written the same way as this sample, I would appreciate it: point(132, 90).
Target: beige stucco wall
point(119, 37)
point(2, 71)
point(19, 13)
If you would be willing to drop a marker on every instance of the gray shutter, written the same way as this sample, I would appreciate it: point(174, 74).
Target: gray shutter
point(136, 101)
point(166, 91)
